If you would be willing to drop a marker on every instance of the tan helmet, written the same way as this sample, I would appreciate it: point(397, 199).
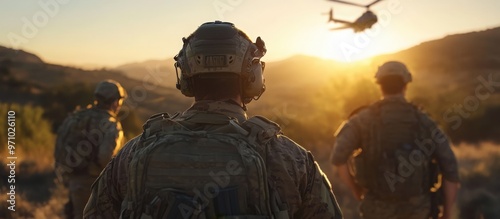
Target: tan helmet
point(109, 90)
point(220, 47)
point(393, 68)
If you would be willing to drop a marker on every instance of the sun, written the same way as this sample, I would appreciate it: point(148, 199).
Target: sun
point(342, 45)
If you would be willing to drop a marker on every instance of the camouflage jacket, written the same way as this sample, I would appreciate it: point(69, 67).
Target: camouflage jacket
point(292, 169)
point(102, 128)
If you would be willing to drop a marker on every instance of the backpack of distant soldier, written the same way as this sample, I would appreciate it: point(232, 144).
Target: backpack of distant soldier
point(76, 145)
point(390, 164)
point(181, 173)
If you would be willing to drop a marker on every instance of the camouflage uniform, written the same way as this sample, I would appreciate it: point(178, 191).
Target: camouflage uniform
point(296, 176)
point(350, 137)
point(103, 131)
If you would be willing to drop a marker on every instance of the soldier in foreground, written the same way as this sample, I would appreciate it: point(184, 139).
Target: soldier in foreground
point(212, 161)
point(85, 143)
point(396, 152)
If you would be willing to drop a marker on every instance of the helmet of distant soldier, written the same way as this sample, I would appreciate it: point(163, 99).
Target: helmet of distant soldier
point(393, 68)
point(109, 90)
point(220, 47)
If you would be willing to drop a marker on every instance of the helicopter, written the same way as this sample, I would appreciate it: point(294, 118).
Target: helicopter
point(366, 21)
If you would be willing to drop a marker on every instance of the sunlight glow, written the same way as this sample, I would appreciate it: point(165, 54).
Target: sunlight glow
point(345, 45)
point(110, 34)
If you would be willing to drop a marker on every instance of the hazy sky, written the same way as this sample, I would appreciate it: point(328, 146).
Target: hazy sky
point(96, 32)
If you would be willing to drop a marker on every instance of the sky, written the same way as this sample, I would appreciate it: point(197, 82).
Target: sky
point(96, 33)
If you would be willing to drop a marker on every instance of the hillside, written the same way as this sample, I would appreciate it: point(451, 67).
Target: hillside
point(161, 70)
point(445, 70)
point(18, 55)
point(455, 58)
point(458, 52)
point(309, 97)
point(25, 78)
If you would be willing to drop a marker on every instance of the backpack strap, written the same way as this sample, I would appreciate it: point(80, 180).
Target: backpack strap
point(152, 130)
point(261, 129)
point(151, 124)
point(260, 132)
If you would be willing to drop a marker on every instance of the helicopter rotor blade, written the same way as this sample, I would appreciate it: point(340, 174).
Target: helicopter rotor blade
point(340, 28)
point(350, 3)
point(342, 21)
point(374, 2)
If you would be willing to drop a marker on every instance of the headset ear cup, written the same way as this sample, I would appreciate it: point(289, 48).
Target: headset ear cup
point(254, 86)
point(185, 88)
point(183, 84)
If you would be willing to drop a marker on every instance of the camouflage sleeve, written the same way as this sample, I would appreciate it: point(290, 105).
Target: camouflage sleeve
point(301, 185)
point(445, 156)
point(112, 139)
point(318, 199)
point(442, 149)
point(109, 190)
point(346, 141)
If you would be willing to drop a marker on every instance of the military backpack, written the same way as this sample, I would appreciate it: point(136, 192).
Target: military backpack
point(77, 141)
point(176, 172)
point(391, 163)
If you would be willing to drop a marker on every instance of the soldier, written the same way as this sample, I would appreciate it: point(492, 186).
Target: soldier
point(85, 143)
point(212, 161)
point(394, 148)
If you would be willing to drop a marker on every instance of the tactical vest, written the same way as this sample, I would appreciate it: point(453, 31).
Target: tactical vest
point(180, 173)
point(390, 163)
point(76, 145)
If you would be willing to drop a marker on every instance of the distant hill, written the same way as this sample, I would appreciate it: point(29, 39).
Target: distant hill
point(7, 54)
point(451, 56)
point(445, 72)
point(161, 70)
point(466, 51)
point(24, 77)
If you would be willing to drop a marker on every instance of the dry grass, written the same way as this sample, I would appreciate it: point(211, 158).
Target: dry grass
point(480, 191)
point(478, 160)
point(38, 193)
point(53, 208)
point(41, 196)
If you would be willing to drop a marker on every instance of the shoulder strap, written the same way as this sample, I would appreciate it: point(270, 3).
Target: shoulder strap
point(154, 124)
point(261, 129)
point(357, 110)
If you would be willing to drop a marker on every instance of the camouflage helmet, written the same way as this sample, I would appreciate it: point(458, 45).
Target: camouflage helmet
point(393, 68)
point(220, 47)
point(109, 90)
